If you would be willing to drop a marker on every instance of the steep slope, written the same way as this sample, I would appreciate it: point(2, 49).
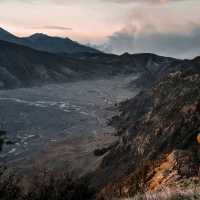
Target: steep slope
point(22, 66)
point(158, 145)
point(44, 42)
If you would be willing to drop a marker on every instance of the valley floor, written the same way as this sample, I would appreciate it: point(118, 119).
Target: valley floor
point(60, 123)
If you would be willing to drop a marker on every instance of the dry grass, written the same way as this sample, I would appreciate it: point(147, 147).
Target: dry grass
point(168, 194)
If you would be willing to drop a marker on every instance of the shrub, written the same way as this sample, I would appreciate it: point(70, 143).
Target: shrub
point(44, 186)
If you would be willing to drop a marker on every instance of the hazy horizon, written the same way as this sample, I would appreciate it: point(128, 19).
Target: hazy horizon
point(166, 27)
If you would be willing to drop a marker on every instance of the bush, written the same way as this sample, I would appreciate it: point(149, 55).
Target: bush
point(9, 186)
point(44, 186)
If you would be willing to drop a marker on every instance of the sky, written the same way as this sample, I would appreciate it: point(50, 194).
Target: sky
point(165, 27)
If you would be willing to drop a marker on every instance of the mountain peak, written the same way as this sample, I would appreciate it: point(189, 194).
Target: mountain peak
point(45, 36)
point(39, 35)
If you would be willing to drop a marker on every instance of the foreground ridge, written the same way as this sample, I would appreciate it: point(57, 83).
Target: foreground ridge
point(159, 146)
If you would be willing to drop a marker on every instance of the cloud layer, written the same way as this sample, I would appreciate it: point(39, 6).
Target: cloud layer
point(167, 27)
point(162, 29)
point(168, 44)
point(51, 27)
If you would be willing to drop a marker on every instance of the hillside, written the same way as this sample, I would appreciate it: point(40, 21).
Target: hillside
point(22, 66)
point(158, 146)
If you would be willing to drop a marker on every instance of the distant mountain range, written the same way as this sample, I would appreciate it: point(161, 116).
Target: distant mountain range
point(21, 66)
point(47, 43)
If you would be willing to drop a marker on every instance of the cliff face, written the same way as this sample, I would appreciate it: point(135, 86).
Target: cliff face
point(158, 144)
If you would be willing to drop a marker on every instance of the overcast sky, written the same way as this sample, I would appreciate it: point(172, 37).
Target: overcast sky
point(166, 27)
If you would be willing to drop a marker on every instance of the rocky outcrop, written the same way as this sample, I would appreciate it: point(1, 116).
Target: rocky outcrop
point(158, 144)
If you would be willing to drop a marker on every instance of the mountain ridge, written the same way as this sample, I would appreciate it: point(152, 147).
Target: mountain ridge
point(43, 42)
point(21, 66)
